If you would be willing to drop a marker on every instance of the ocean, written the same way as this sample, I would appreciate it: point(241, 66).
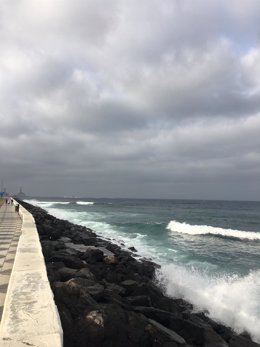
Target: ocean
point(209, 251)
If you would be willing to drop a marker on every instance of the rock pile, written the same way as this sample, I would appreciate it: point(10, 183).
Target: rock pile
point(107, 298)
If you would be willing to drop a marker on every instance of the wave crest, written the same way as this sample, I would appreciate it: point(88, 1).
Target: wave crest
point(185, 228)
point(44, 204)
point(85, 203)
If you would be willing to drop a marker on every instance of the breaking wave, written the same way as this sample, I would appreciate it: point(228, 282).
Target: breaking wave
point(185, 228)
point(85, 203)
point(232, 300)
point(45, 204)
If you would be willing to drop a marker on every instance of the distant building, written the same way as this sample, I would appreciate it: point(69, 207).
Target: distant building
point(21, 195)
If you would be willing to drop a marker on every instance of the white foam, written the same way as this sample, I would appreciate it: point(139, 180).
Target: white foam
point(234, 301)
point(84, 202)
point(71, 216)
point(45, 204)
point(185, 228)
point(93, 221)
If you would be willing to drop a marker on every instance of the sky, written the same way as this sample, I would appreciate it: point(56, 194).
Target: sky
point(138, 99)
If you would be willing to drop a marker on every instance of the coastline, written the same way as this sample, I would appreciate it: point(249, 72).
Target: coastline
point(106, 297)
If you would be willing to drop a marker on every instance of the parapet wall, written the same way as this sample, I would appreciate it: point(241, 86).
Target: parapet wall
point(30, 316)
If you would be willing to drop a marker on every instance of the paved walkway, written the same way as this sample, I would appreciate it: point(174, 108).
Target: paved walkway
point(10, 230)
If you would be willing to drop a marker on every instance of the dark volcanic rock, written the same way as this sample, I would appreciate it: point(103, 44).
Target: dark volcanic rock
point(66, 273)
point(110, 325)
point(241, 341)
point(169, 333)
point(115, 289)
point(85, 273)
point(111, 259)
point(69, 260)
point(132, 249)
point(140, 300)
point(93, 255)
point(129, 286)
point(160, 316)
point(107, 326)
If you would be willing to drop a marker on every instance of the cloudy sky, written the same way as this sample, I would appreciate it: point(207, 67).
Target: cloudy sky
point(131, 98)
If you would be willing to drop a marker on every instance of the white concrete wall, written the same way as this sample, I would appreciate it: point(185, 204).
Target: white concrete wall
point(30, 316)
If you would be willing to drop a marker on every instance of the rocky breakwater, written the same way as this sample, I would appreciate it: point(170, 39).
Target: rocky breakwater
point(106, 297)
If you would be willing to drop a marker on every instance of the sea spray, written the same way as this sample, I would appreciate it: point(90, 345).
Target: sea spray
point(231, 300)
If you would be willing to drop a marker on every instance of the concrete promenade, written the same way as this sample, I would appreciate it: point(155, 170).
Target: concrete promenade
point(10, 230)
point(29, 316)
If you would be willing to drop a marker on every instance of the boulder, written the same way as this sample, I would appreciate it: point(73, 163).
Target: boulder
point(93, 255)
point(73, 296)
point(66, 273)
point(48, 249)
point(111, 326)
point(169, 333)
point(212, 339)
point(132, 249)
point(73, 262)
point(79, 286)
point(167, 304)
point(65, 317)
point(65, 239)
point(96, 290)
point(129, 286)
point(140, 300)
point(85, 273)
point(60, 254)
point(115, 288)
point(197, 332)
point(111, 259)
point(85, 239)
point(241, 341)
point(147, 288)
point(160, 316)
point(192, 333)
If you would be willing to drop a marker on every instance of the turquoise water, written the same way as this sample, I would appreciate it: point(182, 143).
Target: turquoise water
point(209, 250)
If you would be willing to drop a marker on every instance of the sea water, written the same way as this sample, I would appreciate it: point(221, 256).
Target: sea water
point(209, 251)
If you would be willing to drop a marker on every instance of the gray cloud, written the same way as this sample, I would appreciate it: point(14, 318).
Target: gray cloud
point(150, 98)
